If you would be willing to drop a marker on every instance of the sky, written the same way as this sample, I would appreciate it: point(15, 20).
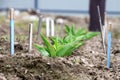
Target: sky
point(112, 5)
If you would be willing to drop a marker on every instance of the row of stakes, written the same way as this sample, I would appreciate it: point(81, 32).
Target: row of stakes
point(106, 35)
point(50, 32)
point(49, 26)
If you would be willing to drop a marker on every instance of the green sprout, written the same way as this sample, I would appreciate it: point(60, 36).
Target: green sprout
point(60, 47)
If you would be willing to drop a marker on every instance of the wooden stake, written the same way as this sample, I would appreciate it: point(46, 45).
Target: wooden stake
point(105, 32)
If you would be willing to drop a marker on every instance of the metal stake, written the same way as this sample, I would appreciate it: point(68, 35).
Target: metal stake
point(101, 26)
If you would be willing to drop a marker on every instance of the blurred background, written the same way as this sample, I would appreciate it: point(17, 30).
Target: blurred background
point(58, 6)
point(62, 11)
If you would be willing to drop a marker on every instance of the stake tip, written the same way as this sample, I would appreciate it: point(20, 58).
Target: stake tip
point(30, 24)
point(110, 26)
point(11, 13)
point(11, 9)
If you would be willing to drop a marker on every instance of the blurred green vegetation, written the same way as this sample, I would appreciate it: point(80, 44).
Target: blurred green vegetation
point(2, 19)
point(116, 35)
point(23, 25)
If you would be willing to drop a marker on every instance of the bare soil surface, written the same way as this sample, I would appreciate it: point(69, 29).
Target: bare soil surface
point(86, 63)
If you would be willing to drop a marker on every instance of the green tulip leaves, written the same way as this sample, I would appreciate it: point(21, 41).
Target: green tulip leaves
point(60, 47)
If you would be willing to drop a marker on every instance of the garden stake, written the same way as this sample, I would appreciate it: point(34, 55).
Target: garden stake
point(39, 27)
point(101, 26)
point(52, 27)
point(11, 31)
point(102, 29)
point(30, 36)
point(109, 45)
point(105, 29)
point(49, 27)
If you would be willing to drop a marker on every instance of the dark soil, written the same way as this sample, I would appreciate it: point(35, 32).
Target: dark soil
point(87, 63)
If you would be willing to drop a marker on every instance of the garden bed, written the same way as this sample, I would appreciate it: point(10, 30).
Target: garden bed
point(88, 62)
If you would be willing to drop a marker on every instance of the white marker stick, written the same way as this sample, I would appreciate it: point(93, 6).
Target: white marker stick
point(47, 27)
point(30, 36)
point(52, 27)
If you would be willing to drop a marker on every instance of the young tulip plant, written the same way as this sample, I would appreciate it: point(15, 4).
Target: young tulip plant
point(60, 47)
